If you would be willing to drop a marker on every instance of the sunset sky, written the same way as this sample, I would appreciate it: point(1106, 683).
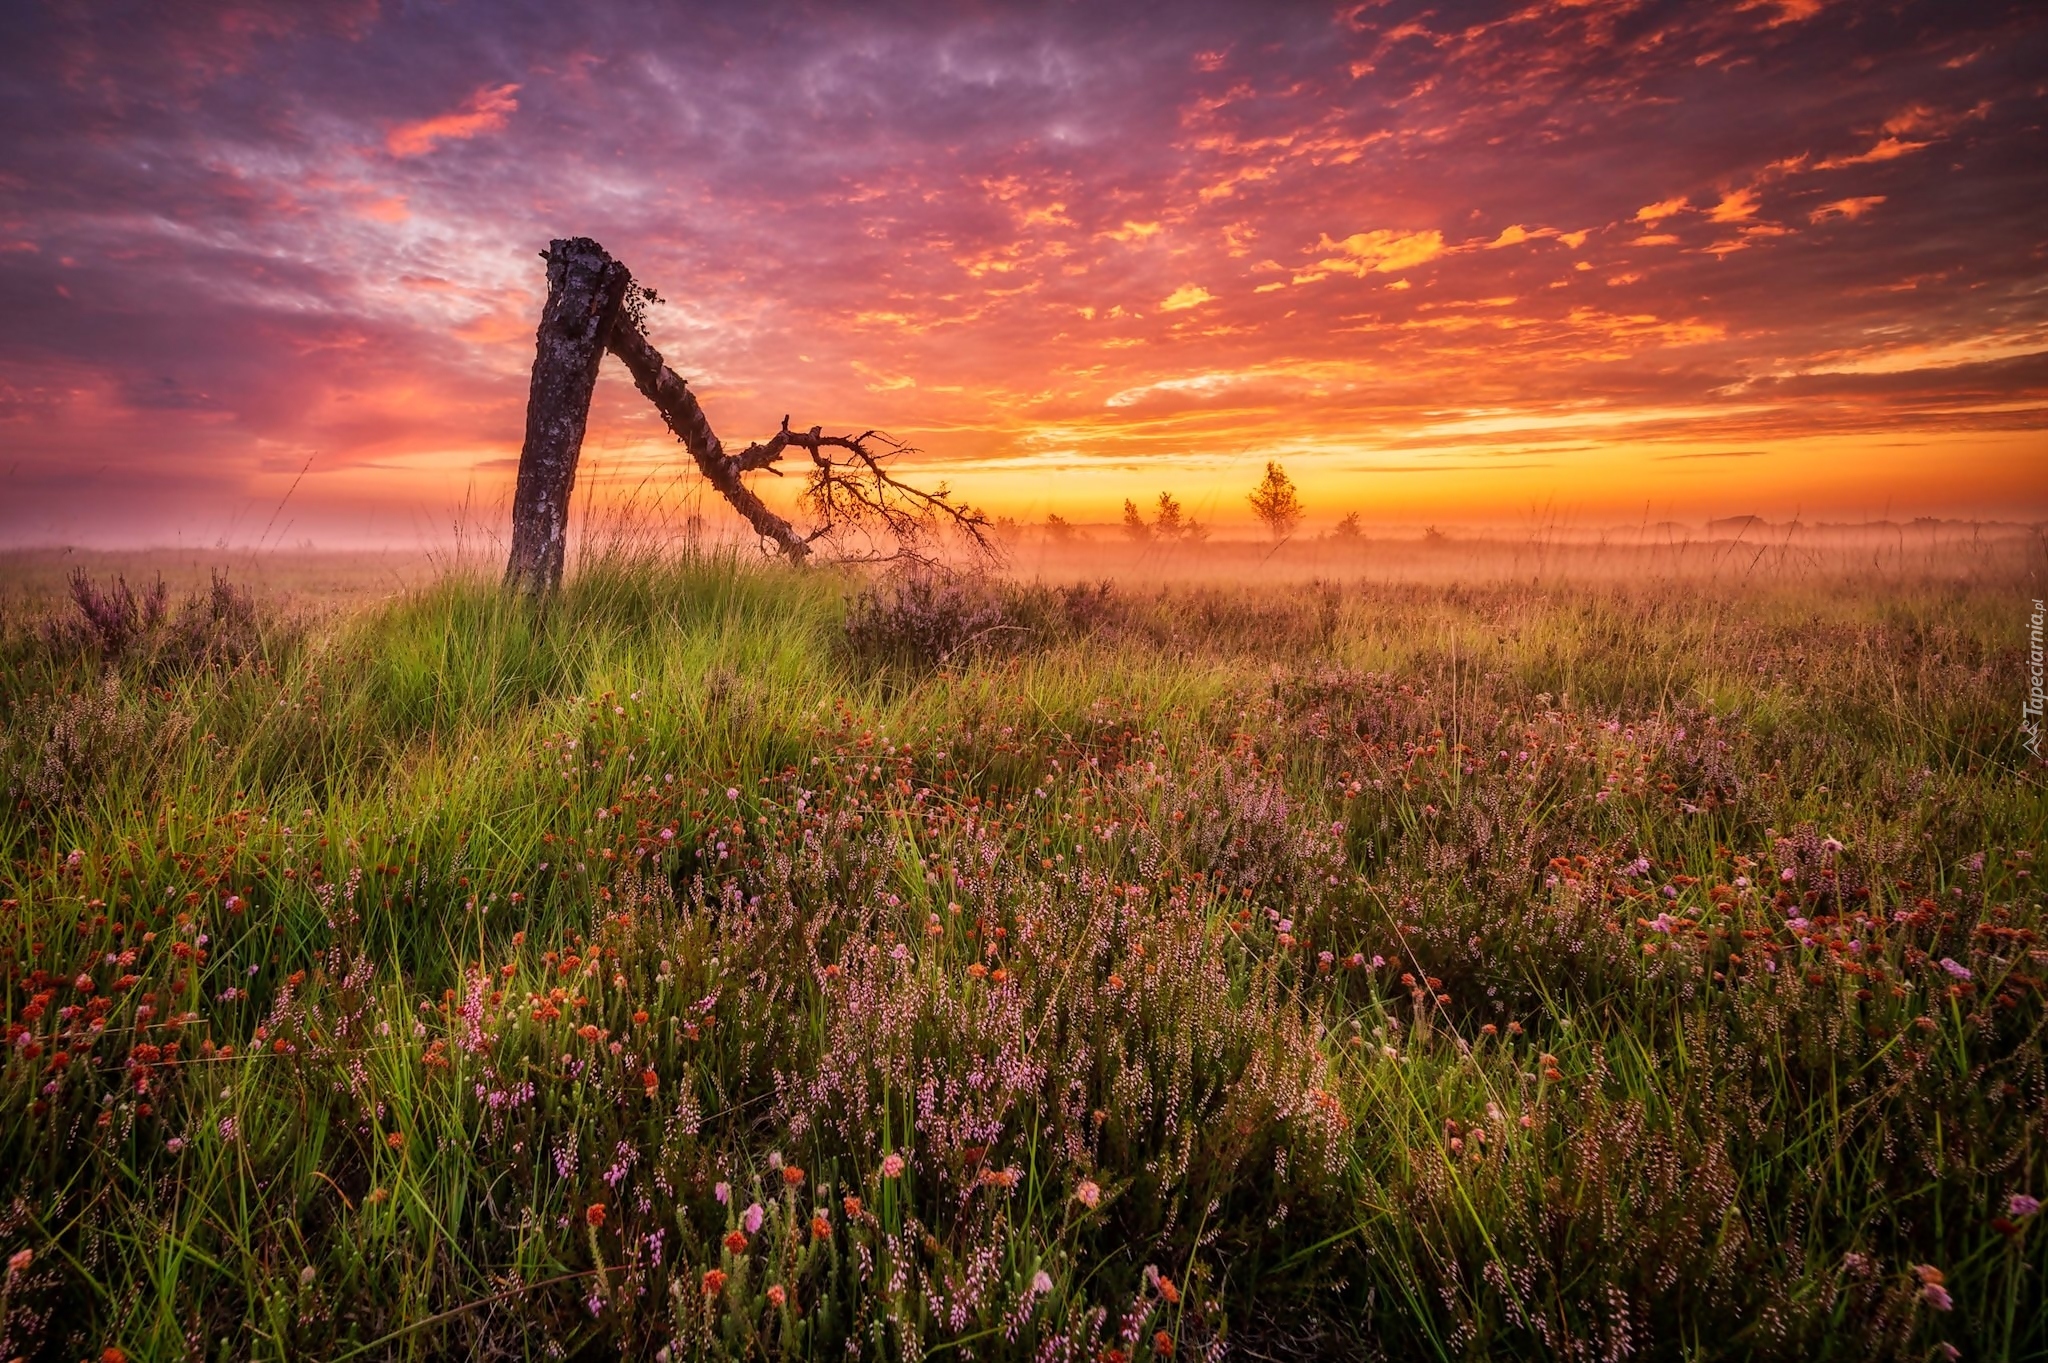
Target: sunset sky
point(1580, 259)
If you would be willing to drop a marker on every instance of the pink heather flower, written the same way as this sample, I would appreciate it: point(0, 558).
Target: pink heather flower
point(723, 1192)
point(732, 793)
point(752, 1217)
point(19, 1261)
point(892, 1165)
point(2022, 1205)
point(76, 859)
point(1041, 1282)
point(1955, 967)
point(1087, 1193)
point(668, 835)
point(1932, 1287)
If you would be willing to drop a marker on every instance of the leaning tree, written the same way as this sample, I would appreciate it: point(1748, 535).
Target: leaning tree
point(853, 499)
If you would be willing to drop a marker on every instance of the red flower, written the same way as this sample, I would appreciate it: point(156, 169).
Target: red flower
point(792, 1175)
point(714, 1282)
point(736, 1241)
point(1162, 1344)
point(594, 1214)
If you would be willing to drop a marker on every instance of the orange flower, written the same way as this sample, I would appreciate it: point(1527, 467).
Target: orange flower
point(594, 1214)
point(650, 1081)
point(792, 1175)
point(820, 1228)
point(1162, 1344)
point(1168, 1293)
point(851, 1204)
point(777, 1296)
point(396, 1140)
point(736, 1241)
point(640, 1018)
point(714, 1282)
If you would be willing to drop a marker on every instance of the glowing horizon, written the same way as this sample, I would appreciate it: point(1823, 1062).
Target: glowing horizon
point(1461, 263)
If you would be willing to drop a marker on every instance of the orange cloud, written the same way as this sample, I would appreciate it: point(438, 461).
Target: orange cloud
point(1788, 11)
point(483, 112)
point(1846, 208)
point(1657, 212)
point(1380, 252)
point(1186, 296)
point(1735, 206)
point(1886, 149)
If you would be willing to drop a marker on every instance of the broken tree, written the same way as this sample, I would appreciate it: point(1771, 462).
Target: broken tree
point(593, 306)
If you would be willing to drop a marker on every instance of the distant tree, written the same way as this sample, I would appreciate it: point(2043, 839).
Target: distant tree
point(1174, 523)
point(1168, 525)
point(1348, 528)
point(1135, 528)
point(1058, 529)
point(1275, 502)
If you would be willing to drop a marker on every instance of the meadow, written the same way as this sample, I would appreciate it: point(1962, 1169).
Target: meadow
point(724, 961)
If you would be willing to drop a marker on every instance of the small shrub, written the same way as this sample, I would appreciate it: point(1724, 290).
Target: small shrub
point(918, 622)
point(220, 627)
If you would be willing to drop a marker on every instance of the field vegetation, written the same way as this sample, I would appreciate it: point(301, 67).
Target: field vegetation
point(726, 961)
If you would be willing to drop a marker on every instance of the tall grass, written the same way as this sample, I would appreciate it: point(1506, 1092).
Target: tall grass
point(729, 962)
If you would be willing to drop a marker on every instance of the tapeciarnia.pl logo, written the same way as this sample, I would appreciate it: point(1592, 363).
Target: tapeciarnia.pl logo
point(2030, 712)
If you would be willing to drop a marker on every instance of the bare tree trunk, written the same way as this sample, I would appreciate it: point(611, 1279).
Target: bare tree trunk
point(585, 289)
point(679, 407)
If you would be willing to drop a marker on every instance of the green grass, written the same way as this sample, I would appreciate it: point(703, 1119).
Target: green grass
point(1444, 972)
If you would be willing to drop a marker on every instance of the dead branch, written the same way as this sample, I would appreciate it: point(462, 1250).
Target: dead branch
point(861, 508)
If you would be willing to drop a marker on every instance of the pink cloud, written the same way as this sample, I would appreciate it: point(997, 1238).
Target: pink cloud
point(483, 112)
